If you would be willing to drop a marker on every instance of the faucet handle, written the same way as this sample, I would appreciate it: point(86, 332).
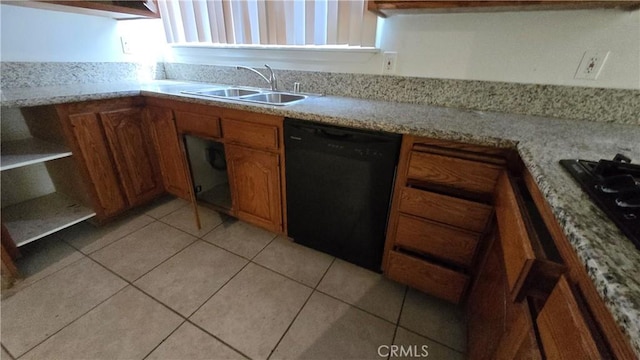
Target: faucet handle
point(272, 78)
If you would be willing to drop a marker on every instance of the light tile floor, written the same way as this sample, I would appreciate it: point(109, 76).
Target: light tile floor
point(152, 286)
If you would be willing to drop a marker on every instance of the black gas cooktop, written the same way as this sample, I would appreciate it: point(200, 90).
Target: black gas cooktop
point(614, 185)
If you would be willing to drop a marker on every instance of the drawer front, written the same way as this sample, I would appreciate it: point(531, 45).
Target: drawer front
point(261, 136)
point(424, 276)
point(452, 172)
point(529, 270)
point(205, 125)
point(516, 244)
point(446, 242)
point(445, 209)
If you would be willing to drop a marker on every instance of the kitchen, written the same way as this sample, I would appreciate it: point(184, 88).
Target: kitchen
point(489, 68)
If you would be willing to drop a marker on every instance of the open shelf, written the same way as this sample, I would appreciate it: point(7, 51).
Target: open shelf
point(25, 152)
point(39, 217)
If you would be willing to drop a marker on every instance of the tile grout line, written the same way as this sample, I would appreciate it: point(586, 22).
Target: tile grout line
point(219, 339)
point(165, 339)
point(7, 351)
point(206, 301)
point(249, 261)
point(164, 261)
point(435, 341)
point(300, 310)
point(113, 242)
point(217, 291)
point(73, 321)
point(222, 215)
point(264, 247)
point(37, 281)
point(357, 307)
point(88, 255)
point(415, 332)
point(128, 283)
point(395, 331)
point(186, 319)
point(325, 293)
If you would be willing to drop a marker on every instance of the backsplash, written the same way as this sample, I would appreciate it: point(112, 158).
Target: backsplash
point(36, 74)
point(568, 102)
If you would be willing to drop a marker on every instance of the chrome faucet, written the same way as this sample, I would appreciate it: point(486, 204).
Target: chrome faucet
point(272, 80)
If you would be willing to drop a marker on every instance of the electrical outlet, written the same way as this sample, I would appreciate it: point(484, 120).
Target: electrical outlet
point(591, 65)
point(389, 60)
point(126, 45)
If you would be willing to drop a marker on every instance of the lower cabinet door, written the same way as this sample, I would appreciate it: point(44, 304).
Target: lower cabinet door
point(519, 341)
point(128, 137)
point(94, 155)
point(564, 327)
point(487, 306)
point(169, 151)
point(254, 176)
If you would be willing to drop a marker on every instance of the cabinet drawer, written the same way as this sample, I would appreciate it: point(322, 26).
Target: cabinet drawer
point(205, 125)
point(424, 276)
point(528, 268)
point(467, 175)
point(445, 209)
point(445, 242)
point(261, 136)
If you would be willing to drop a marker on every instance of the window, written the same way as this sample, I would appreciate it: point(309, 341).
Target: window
point(269, 22)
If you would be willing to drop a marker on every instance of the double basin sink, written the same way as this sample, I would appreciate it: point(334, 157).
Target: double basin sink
point(250, 95)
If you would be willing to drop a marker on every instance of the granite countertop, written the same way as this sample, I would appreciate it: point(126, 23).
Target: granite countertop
point(610, 258)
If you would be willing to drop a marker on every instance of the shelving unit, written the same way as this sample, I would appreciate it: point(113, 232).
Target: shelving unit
point(41, 189)
point(18, 153)
point(36, 218)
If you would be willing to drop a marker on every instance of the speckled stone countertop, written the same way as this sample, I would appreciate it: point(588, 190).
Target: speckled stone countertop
point(610, 258)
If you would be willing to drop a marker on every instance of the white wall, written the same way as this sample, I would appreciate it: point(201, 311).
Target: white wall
point(542, 47)
point(526, 47)
point(43, 35)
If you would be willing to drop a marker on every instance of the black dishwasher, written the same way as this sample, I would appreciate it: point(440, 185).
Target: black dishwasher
point(339, 183)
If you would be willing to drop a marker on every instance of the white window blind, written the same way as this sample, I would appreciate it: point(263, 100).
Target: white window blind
point(269, 22)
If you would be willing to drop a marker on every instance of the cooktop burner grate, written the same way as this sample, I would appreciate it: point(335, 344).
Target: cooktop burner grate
point(614, 185)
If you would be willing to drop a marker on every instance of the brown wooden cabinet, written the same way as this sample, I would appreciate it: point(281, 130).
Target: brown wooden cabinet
point(532, 262)
point(487, 305)
point(440, 213)
point(386, 8)
point(128, 135)
point(255, 160)
point(119, 10)
point(252, 146)
point(113, 148)
point(255, 184)
point(94, 157)
point(564, 327)
point(522, 305)
point(170, 154)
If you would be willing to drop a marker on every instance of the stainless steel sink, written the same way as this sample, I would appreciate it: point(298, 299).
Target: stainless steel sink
point(225, 92)
point(275, 98)
point(250, 95)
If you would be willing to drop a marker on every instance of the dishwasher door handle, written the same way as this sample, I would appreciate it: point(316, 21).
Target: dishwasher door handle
point(333, 135)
